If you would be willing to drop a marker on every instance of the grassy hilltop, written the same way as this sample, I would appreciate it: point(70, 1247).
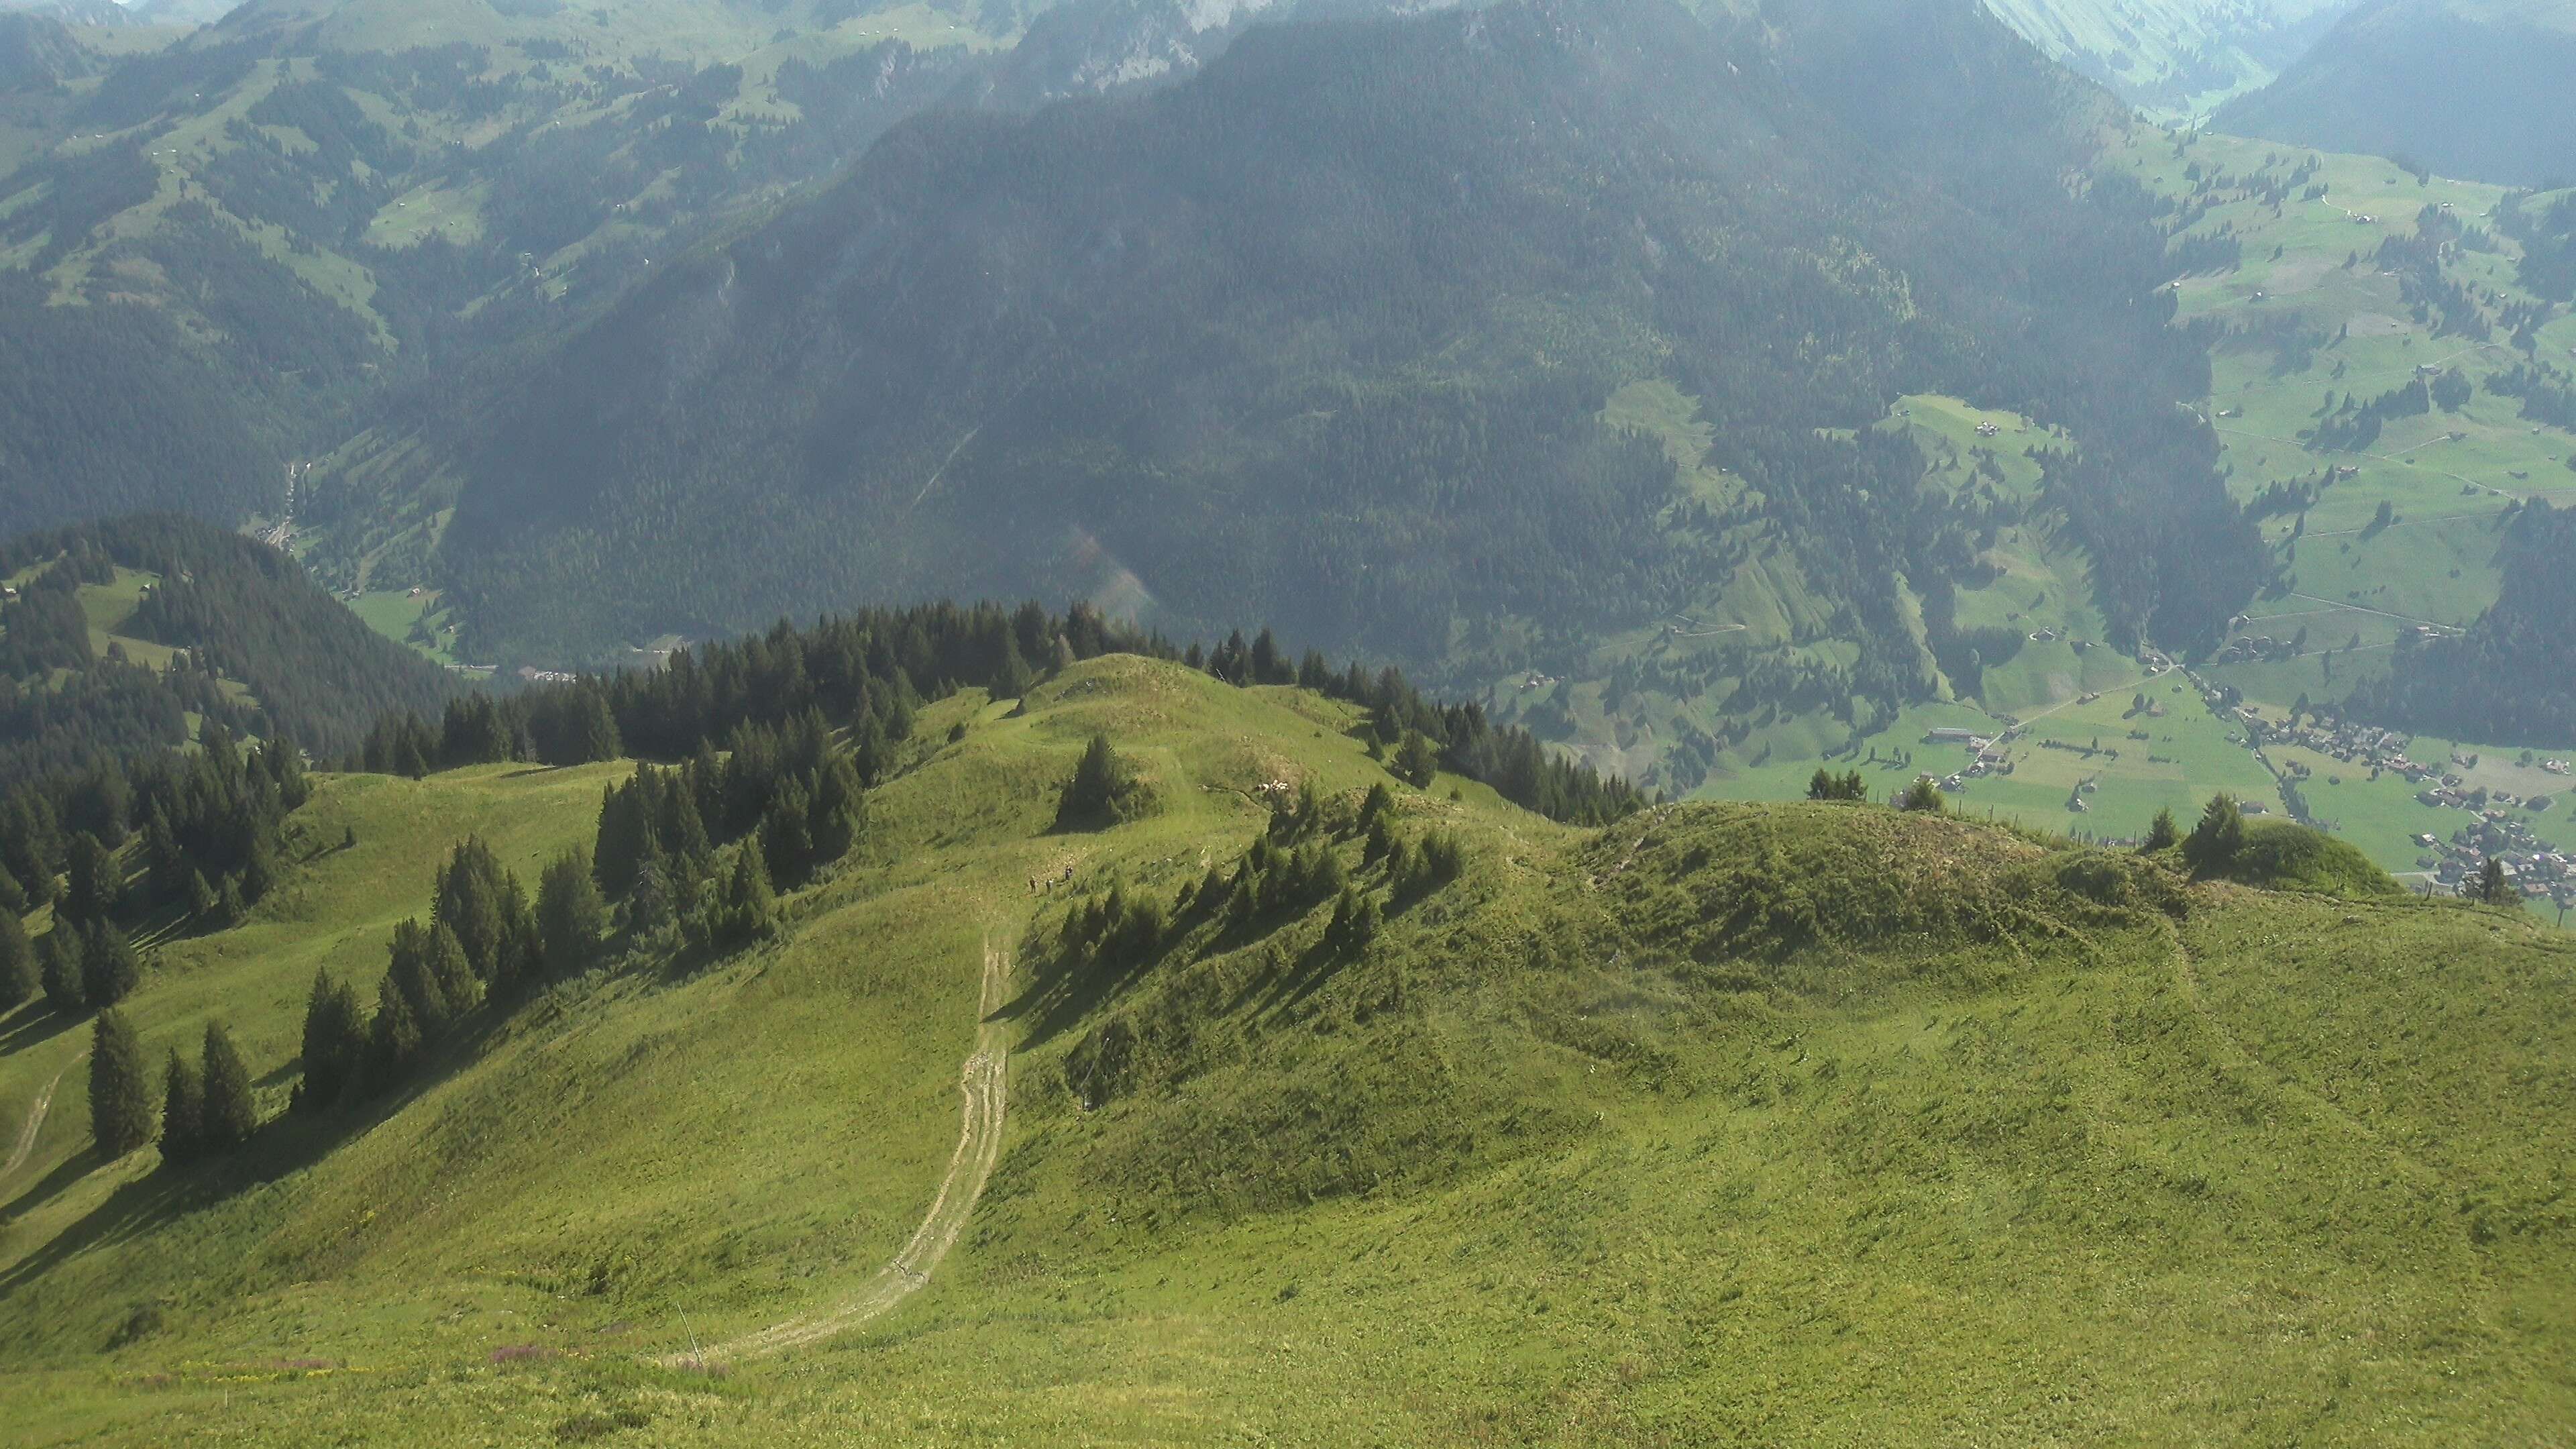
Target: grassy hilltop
point(1806, 1123)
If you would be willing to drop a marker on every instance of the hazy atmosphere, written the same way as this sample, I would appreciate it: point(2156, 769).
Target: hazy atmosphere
point(1294, 722)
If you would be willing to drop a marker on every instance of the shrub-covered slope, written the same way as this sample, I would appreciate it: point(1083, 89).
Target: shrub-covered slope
point(1799, 1122)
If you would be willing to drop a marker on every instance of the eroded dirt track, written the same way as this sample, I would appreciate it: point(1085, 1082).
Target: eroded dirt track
point(26, 1145)
point(984, 1084)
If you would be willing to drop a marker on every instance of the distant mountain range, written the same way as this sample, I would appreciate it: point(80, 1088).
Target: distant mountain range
point(2476, 89)
point(1325, 337)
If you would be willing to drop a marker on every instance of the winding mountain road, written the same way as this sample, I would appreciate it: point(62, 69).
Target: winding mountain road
point(984, 1085)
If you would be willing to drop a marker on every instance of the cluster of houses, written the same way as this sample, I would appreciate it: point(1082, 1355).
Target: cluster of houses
point(1990, 756)
point(2530, 865)
point(2254, 649)
point(2362, 746)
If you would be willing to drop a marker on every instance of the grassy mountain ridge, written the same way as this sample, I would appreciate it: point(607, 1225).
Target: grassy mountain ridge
point(1723, 1119)
point(2459, 86)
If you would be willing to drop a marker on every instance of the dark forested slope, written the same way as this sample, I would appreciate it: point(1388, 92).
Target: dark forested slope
point(2511, 678)
point(119, 632)
point(2469, 88)
point(1323, 335)
point(243, 240)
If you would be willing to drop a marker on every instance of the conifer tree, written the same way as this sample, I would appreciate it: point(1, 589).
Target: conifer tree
point(839, 817)
point(1375, 805)
point(2219, 837)
point(473, 901)
point(13, 896)
point(412, 978)
point(750, 904)
point(18, 975)
point(59, 968)
point(335, 1042)
point(120, 1087)
point(109, 968)
point(231, 1111)
point(97, 885)
point(786, 834)
point(1102, 793)
point(258, 876)
point(2492, 888)
point(2164, 834)
point(183, 1104)
point(1014, 678)
point(571, 916)
point(445, 960)
point(394, 1038)
point(1416, 763)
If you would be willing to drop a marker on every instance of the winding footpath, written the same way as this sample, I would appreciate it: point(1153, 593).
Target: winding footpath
point(35, 1123)
point(984, 1084)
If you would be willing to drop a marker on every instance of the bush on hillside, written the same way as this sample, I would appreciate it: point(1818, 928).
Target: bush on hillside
point(1103, 792)
point(2282, 856)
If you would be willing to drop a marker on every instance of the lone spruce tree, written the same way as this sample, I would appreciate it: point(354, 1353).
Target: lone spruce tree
point(120, 1086)
point(231, 1112)
point(2164, 834)
point(2491, 883)
point(2219, 837)
point(1416, 762)
point(1103, 792)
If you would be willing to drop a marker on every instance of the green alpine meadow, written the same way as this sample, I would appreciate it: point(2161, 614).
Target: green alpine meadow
point(1287, 723)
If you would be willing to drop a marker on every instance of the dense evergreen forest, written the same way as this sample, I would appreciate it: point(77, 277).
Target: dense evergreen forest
point(2546, 227)
point(255, 647)
point(771, 703)
point(2511, 678)
point(1322, 338)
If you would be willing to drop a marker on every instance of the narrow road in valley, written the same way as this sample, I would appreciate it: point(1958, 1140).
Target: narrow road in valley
point(984, 1085)
point(2382, 613)
point(26, 1147)
point(2396, 459)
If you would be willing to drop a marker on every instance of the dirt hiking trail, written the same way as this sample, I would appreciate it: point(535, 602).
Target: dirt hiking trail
point(35, 1123)
point(979, 1145)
